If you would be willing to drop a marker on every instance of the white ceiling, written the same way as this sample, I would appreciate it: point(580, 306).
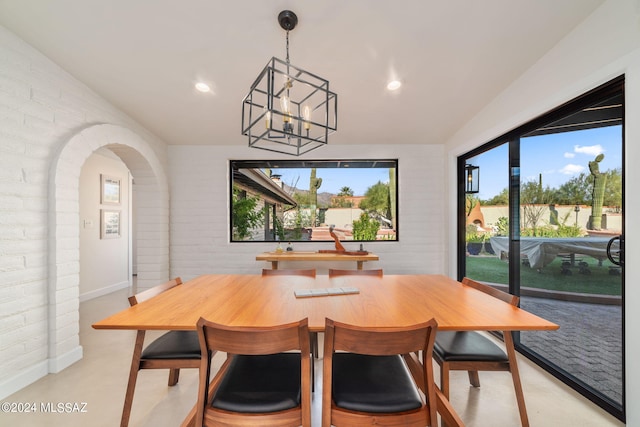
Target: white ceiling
point(144, 56)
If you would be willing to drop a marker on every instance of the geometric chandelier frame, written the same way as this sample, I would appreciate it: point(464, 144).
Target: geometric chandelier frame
point(288, 110)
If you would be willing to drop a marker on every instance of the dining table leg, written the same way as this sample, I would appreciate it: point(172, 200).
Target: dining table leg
point(133, 376)
point(515, 374)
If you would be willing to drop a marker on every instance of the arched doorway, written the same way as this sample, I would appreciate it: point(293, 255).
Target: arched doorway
point(151, 192)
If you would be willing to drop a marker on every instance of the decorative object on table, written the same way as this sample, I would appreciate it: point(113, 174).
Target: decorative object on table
point(289, 247)
point(339, 248)
point(295, 117)
point(279, 248)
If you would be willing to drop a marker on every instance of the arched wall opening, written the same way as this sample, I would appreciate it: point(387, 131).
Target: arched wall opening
point(151, 194)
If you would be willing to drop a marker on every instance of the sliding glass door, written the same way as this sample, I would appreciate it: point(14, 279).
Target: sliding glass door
point(550, 204)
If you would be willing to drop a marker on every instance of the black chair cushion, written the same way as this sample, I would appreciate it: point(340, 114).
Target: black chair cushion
point(373, 384)
point(467, 345)
point(174, 345)
point(259, 384)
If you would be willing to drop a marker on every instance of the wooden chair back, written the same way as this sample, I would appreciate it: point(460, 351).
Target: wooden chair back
point(341, 337)
point(156, 290)
point(290, 272)
point(252, 341)
point(496, 293)
point(333, 272)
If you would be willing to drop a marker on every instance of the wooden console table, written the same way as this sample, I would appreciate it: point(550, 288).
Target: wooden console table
point(275, 257)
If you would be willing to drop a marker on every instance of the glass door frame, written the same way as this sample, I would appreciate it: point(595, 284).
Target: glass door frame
point(512, 138)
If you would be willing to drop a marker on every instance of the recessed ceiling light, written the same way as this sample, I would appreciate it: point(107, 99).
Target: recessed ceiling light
point(202, 87)
point(394, 85)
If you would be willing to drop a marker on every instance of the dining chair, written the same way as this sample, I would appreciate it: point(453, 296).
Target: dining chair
point(174, 350)
point(301, 272)
point(290, 272)
point(333, 272)
point(265, 380)
point(472, 351)
point(366, 380)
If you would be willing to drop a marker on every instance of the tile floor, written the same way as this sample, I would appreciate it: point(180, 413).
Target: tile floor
point(100, 378)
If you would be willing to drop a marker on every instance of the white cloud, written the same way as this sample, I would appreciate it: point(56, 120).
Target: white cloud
point(568, 155)
point(592, 150)
point(571, 169)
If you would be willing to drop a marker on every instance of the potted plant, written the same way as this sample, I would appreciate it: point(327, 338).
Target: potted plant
point(475, 240)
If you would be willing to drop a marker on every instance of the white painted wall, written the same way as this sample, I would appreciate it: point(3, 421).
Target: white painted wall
point(49, 124)
point(42, 107)
point(200, 211)
point(104, 263)
point(605, 46)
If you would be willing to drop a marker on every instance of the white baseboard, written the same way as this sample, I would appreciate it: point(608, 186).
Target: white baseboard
point(103, 291)
point(64, 361)
point(23, 379)
point(37, 371)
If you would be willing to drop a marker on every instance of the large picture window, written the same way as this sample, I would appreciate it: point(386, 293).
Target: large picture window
point(306, 200)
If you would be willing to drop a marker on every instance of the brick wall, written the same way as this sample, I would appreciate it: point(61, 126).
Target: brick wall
point(200, 211)
point(49, 124)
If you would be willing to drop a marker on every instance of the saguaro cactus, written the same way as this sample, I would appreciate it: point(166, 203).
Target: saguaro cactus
point(314, 184)
point(599, 181)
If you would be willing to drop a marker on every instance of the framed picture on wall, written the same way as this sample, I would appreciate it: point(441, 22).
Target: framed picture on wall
point(109, 224)
point(109, 190)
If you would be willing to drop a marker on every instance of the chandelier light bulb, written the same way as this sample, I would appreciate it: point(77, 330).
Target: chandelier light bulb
point(306, 115)
point(267, 117)
point(285, 106)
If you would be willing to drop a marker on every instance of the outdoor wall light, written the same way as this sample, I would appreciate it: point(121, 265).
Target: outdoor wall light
point(472, 179)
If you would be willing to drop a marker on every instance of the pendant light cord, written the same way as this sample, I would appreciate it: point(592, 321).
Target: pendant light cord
point(287, 48)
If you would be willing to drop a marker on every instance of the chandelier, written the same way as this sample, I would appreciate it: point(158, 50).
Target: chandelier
point(288, 110)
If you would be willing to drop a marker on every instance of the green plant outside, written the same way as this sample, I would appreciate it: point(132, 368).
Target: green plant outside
point(365, 228)
point(502, 226)
point(245, 215)
point(473, 236)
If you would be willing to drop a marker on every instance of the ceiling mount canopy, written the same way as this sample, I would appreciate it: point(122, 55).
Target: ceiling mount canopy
point(288, 110)
point(288, 20)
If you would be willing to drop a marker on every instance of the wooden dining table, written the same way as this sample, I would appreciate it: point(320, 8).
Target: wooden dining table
point(391, 300)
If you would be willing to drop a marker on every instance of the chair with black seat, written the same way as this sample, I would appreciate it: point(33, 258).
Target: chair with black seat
point(472, 351)
point(291, 272)
point(173, 350)
point(366, 380)
point(301, 272)
point(265, 380)
point(333, 272)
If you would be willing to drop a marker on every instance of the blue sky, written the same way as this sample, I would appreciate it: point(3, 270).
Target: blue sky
point(358, 179)
point(558, 157)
